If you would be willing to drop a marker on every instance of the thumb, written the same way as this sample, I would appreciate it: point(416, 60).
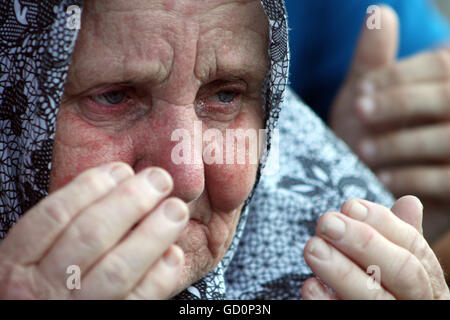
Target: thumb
point(410, 210)
point(378, 42)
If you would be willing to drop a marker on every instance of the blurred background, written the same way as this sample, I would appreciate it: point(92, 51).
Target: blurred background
point(444, 5)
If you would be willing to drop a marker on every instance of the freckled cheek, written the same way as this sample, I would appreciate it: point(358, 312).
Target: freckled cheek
point(229, 185)
point(79, 146)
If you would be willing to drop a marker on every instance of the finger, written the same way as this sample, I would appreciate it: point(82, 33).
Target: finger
point(40, 227)
point(406, 103)
point(410, 210)
point(431, 66)
point(313, 289)
point(376, 46)
point(400, 233)
point(120, 270)
point(428, 143)
point(339, 273)
point(422, 181)
point(99, 227)
point(402, 273)
point(163, 278)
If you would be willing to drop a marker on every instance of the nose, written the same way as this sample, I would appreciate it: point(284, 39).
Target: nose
point(167, 140)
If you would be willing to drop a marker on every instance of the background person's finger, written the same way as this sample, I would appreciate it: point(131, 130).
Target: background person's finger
point(406, 104)
point(428, 143)
point(430, 66)
point(376, 47)
point(410, 210)
point(422, 181)
point(313, 289)
point(40, 227)
point(123, 266)
point(162, 279)
point(100, 227)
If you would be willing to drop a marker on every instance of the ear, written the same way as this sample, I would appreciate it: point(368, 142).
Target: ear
point(410, 210)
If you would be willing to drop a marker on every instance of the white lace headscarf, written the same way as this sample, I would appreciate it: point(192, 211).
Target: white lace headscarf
point(317, 171)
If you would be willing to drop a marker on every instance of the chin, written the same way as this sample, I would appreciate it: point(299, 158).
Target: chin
point(204, 246)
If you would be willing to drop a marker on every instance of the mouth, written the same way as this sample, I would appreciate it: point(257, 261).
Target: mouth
point(199, 214)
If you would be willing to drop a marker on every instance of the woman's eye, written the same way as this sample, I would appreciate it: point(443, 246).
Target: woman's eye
point(224, 96)
point(110, 98)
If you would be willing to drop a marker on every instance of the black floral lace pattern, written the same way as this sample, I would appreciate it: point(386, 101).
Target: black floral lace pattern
point(35, 51)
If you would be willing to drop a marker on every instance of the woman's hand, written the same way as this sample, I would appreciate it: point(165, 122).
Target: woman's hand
point(366, 236)
point(118, 228)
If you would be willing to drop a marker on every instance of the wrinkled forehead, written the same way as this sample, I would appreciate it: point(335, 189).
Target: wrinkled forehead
point(148, 40)
point(145, 14)
point(185, 7)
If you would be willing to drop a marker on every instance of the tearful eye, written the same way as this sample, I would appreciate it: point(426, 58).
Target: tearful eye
point(110, 98)
point(224, 96)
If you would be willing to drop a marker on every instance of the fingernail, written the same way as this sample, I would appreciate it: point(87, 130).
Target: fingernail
point(175, 210)
point(367, 105)
point(367, 87)
point(368, 149)
point(160, 180)
point(358, 211)
point(172, 257)
point(119, 172)
point(319, 248)
point(333, 227)
point(315, 290)
point(385, 178)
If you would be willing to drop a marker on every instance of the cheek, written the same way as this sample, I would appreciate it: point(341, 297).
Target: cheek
point(228, 185)
point(79, 146)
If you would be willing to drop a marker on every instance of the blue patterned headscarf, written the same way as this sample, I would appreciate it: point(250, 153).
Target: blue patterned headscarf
point(316, 171)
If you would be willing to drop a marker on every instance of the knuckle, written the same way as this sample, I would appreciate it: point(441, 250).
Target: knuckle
point(443, 59)
point(162, 286)
point(56, 210)
point(91, 237)
point(139, 195)
point(418, 247)
point(365, 239)
point(116, 272)
point(411, 278)
point(94, 181)
point(395, 73)
point(131, 189)
point(14, 284)
point(398, 98)
point(345, 271)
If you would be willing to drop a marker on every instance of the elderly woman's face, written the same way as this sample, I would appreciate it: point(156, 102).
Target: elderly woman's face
point(144, 68)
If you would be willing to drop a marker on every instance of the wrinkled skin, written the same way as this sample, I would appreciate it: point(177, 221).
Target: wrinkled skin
point(169, 55)
point(140, 70)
